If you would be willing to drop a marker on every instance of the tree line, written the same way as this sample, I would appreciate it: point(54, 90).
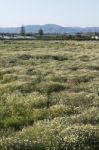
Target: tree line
point(23, 31)
point(49, 36)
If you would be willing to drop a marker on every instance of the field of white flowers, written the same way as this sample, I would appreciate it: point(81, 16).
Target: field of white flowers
point(49, 95)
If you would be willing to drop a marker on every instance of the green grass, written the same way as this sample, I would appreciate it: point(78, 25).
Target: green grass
point(49, 95)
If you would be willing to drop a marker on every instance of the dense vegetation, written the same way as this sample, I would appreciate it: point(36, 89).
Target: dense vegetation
point(49, 95)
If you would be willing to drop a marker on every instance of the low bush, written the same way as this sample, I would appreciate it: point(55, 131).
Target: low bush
point(48, 87)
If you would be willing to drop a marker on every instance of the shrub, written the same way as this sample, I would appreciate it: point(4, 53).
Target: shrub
point(24, 88)
point(25, 57)
point(93, 67)
point(50, 87)
point(18, 144)
point(90, 116)
point(9, 78)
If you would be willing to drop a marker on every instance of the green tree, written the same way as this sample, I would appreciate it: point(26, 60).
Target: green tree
point(22, 31)
point(41, 32)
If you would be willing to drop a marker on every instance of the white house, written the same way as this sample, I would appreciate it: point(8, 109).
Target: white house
point(95, 37)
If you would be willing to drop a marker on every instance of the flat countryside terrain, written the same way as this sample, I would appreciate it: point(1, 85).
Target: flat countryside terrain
point(49, 95)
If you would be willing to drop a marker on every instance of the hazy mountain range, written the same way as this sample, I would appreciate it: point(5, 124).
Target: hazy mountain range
point(49, 28)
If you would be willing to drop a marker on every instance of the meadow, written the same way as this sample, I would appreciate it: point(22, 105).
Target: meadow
point(49, 95)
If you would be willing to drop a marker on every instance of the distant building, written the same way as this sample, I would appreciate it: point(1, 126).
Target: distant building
point(95, 37)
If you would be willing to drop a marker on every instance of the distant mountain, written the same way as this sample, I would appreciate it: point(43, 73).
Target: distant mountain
point(50, 28)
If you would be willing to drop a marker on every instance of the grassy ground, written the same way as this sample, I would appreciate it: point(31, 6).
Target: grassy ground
point(49, 95)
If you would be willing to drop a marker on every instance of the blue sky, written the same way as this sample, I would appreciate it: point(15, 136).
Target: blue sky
point(63, 12)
